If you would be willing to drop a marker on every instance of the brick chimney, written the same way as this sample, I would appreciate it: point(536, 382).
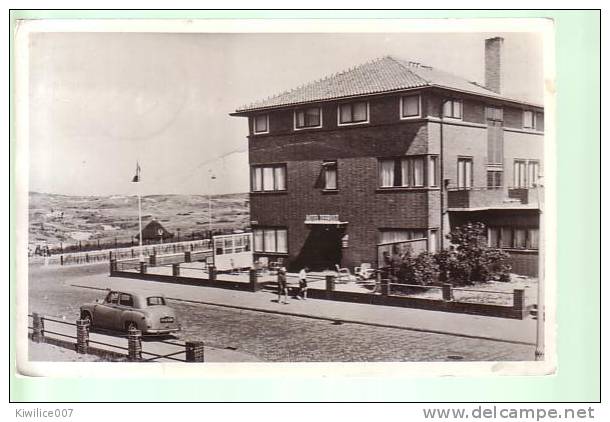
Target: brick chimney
point(493, 64)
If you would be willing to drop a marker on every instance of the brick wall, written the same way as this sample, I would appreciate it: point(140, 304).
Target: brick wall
point(357, 201)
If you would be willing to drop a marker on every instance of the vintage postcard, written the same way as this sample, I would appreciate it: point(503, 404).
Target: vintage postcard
point(217, 198)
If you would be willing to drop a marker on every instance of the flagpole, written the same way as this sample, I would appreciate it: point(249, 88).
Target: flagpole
point(140, 225)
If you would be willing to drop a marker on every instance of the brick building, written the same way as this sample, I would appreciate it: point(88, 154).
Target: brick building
point(390, 155)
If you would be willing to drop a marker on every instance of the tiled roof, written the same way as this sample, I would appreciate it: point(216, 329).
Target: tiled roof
point(381, 75)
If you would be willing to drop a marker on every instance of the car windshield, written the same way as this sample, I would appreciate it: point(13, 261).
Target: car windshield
point(155, 300)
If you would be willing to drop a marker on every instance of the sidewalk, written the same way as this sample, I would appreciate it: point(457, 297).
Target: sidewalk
point(500, 329)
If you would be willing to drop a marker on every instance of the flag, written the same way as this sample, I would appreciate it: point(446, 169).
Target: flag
point(137, 177)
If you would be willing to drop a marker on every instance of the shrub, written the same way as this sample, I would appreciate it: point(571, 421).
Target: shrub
point(470, 259)
point(421, 270)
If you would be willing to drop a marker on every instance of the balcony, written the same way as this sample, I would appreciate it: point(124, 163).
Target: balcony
point(492, 198)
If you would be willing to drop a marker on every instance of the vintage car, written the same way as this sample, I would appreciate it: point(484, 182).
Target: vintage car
point(123, 310)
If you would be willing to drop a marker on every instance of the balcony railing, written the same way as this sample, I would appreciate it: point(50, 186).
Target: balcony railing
point(501, 197)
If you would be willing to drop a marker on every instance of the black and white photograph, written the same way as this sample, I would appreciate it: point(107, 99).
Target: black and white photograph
point(290, 194)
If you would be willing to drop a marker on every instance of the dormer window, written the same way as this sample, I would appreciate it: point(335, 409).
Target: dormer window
point(261, 123)
point(308, 118)
point(452, 109)
point(410, 106)
point(353, 113)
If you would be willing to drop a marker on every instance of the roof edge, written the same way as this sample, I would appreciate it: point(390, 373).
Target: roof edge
point(245, 112)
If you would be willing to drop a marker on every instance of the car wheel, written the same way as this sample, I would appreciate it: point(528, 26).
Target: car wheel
point(86, 316)
point(129, 325)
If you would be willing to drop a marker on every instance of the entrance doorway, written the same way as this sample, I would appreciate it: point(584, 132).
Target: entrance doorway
point(322, 248)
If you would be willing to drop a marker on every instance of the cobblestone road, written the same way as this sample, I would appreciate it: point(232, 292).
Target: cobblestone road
point(283, 338)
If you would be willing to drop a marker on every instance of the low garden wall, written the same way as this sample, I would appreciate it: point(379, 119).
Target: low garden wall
point(252, 284)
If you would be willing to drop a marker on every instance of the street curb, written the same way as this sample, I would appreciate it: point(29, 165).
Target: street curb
point(341, 320)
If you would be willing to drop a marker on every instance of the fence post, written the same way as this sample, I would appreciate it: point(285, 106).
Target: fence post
point(383, 283)
point(175, 270)
point(86, 257)
point(142, 267)
point(82, 336)
point(37, 328)
point(61, 260)
point(447, 292)
point(519, 300)
point(134, 345)
point(330, 285)
point(194, 351)
point(133, 254)
point(253, 280)
point(113, 266)
point(187, 256)
point(153, 259)
point(212, 273)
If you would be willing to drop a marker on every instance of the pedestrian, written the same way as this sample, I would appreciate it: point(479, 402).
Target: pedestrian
point(282, 287)
point(303, 283)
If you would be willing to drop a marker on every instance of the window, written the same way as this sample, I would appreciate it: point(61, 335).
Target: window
point(494, 113)
point(126, 300)
point(352, 113)
point(529, 119)
point(261, 123)
point(402, 172)
point(400, 235)
point(464, 173)
point(432, 171)
point(519, 174)
point(433, 241)
point(269, 178)
point(533, 173)
point(493, 237)
point(308, 118)
point(270, 240)
point(113, 297)
point(494, 179)
point(155, 301)
point(452, 109)
point(526, 173)
point(506, 237)
point(330, 175)
point(409, 106)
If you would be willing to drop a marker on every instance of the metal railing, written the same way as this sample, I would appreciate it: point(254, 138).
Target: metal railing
point(193, 350)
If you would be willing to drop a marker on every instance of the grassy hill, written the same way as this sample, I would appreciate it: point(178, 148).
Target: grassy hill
point(67, 219)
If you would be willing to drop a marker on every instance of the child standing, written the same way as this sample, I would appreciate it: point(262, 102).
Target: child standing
point(282, 288)
point(303, 283)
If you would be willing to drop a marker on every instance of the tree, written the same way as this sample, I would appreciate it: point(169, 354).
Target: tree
point(470, 259)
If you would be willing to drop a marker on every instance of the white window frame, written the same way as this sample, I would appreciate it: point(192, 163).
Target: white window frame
point(294, 118)
point(273, 167)
point(453, 100)
point(471, 178)
point(408, 163)
point(364, 122)
point(419, 113)
point(491, 108)
point(254, 124)
point(263, 233)
point(532, 122)
point(335, 165)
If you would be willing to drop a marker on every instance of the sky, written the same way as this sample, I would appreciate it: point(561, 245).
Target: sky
point(100, 102)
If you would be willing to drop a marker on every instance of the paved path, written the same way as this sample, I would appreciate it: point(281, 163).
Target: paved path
point(479, 327)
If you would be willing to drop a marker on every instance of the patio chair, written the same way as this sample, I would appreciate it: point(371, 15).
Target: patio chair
point(343, 275)
point(364, 271)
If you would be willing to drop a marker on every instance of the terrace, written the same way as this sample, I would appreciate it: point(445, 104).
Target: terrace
point(494, 198)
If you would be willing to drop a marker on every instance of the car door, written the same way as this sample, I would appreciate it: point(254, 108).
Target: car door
point(104, 315)
point(126, 304)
